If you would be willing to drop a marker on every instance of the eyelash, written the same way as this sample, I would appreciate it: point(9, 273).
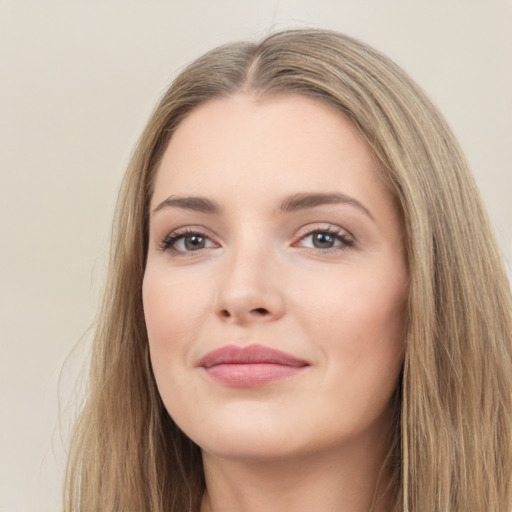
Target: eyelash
point(168, 242)
point(346, 241)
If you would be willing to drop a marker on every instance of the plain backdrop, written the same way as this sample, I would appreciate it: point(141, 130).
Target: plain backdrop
point(77, 82)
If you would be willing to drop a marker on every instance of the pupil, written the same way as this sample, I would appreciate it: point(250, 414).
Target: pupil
point(323, 240)
point(193, 242)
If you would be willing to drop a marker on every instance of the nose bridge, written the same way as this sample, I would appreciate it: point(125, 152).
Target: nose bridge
point(249, 288)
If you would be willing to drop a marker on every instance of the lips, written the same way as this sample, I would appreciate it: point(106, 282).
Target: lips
point(250, 366)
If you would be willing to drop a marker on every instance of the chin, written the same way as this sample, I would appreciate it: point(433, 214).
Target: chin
point(251, 448)
point(254, 438)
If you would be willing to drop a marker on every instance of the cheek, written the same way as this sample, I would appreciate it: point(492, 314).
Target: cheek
point(174, 310)
point(172, 305)
point(359, 326)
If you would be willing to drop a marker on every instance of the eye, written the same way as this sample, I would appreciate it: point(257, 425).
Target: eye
point(326, 239)
point(186, 241)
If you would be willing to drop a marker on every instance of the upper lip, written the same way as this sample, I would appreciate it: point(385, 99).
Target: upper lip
point(251, 354)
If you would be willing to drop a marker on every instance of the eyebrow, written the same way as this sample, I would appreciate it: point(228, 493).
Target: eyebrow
point(197, 204)
point(305, 200)
point(293, 203)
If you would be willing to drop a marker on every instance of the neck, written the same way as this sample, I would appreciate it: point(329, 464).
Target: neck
point(348, 479)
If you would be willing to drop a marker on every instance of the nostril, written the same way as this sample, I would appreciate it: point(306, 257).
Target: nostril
point(260, 311)
point(255, 312)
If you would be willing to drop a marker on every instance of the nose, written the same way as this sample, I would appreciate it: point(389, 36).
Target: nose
point(249, 289)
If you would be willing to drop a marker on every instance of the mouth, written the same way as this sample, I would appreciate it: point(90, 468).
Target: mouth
point(251, 366)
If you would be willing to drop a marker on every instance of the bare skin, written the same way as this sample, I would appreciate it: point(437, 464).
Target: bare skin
point(317, 483)
point(272, 230)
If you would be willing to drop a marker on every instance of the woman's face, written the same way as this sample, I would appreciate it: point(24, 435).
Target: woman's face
point(275, 282)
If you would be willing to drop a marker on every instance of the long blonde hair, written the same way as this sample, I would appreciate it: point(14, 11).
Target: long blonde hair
point(453, 430)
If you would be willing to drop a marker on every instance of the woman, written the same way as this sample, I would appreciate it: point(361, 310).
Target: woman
point(305, 307)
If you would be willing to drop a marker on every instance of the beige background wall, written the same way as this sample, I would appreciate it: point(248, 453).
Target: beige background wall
point(77, 81)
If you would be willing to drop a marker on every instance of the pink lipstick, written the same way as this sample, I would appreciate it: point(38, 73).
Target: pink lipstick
point(251, 366)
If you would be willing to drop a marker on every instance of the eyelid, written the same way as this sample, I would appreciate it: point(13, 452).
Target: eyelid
point(322, 226)
point(344, 236)
point(347, 239)
point(165, 244)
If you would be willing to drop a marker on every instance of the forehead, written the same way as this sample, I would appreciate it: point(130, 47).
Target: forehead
point(241, 146)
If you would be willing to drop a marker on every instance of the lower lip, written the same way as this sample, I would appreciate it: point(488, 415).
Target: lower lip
point(252, 374)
